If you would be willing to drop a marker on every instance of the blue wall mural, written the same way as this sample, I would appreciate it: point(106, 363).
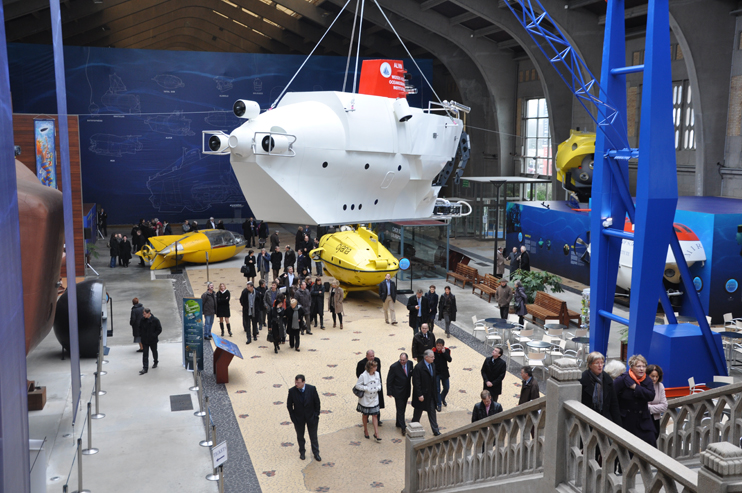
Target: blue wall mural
point(142, 113)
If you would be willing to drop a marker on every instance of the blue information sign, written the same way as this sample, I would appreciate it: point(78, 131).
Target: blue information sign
point(227, 346)
point(193, 332)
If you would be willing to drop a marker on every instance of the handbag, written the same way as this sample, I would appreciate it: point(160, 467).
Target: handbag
point(358, 392)
point(243, 269)
point(270, 336)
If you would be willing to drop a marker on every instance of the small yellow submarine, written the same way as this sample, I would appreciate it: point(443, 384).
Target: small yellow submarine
point(355, 258)
point(574, 163)
point(219, 244)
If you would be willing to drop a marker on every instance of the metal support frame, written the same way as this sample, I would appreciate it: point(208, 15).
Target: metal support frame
point(657, 190)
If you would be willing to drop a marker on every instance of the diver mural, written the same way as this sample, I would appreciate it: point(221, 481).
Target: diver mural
point(142, 113)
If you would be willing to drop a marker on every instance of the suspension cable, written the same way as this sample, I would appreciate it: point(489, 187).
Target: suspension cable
point(350, 46)
point(310, 54)
point(358, 50)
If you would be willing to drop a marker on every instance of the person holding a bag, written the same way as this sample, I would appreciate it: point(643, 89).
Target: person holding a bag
point(294, 317)
point(248, 270)
point(367, 389)
point(521, 299)
point(277, 331)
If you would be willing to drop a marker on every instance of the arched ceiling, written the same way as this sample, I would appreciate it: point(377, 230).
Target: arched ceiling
point(255, 26)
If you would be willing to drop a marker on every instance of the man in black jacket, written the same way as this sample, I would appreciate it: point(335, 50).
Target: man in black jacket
point(276, 262)
point(388, 295)
point(486, 408)
point(149, 330)
point(494, 369)
point(361, 367)
point(249, 231)
point(399, 386)
point(423, 393)
point(250, 311)
point(419, 310)
point(525, 260)
point(289, 258)
point(421, 342)
point(304, 408)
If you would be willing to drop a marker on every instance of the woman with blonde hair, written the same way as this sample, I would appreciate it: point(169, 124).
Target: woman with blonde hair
point(368, 404)
point(635, 391)
point(222, 308)
point(335, 303)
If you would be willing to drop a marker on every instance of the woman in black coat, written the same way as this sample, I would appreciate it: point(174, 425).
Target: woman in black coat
point(317, 306)
point(603, 401)
point(635, 391)
point(277, 321)
point(125, 251)
point(222, 307)
point(250, 271)
point(447, 309)
point(294, 325)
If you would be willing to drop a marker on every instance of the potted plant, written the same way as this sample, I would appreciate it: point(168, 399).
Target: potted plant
point(534, 282)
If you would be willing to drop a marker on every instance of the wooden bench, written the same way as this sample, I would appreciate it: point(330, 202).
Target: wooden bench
point(463, 273)
point(488, 284)
point(548, 307)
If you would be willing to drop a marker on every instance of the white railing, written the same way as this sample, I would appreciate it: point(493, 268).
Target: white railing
point(596, 445)
point(691, 423)
point(502, 446)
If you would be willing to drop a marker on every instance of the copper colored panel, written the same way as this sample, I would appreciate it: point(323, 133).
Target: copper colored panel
point(42, 240)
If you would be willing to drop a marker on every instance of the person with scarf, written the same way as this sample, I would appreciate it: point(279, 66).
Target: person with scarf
point(597, 389)
point(635, 391)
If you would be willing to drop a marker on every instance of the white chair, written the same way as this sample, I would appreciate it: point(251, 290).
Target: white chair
point(555, 334)
point(515, 351)
point(537, 360)
point(478, 325)
point(523, 336)
point(727, 380)
point(693, 386)
point(732, 324)
point(513, 318)
point(493, 337)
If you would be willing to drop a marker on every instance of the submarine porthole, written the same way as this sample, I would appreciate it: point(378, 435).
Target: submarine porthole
point(360, 206)
point(324, 165)
point(399, 168)
point(376, 201)
point(366, 167)
point(345, 207)
point(352, 206)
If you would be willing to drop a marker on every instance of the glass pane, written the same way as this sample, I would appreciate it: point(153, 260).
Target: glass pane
point(677, 139)
point(543, 148)
point(687, 117)
point(692, 139)
point(543, 128)
point(692, 117)
point(680, 94)
point(675, 98)
point(689, 94)
point(532, 108)
point(530, 149)
point(542, 110)
point(531, 128)
point(685, 139)
point(530, 166)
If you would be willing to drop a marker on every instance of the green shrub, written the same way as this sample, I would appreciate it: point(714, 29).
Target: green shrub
point(534, 282)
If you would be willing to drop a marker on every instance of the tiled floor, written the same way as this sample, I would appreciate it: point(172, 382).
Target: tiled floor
point(259, 384)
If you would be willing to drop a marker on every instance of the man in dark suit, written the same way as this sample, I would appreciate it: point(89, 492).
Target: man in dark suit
point(399, 386)
point(289, 259)
point(493, 372)
point(486, 408)
point(422, 341)
point(361, 367)
point(388, 295)
point(525, 259)
point(419, 310)
point(304, 407)
point(423, 393)
point(149, 330)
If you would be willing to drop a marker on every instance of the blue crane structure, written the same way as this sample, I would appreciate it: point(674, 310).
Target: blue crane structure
point(653, 210)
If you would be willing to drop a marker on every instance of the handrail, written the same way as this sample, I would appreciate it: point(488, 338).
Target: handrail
point(663, 463)
point(705, 395)
point(533, 405)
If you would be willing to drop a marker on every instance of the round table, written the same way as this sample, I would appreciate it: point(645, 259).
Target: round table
point(715, 385)
point(730, 335)
point(494, 321)
point(538, 345)
point(554, 326)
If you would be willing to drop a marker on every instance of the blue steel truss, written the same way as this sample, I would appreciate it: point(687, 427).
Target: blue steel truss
point(657, 191)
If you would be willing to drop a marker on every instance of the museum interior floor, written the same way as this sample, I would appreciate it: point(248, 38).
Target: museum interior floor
point(146, 446)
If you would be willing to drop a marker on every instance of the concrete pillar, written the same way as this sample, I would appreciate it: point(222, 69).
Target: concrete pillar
point(563, 386)
point(721, 468)
point(415, 434)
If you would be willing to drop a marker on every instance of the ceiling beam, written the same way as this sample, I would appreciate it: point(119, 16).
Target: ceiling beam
point(203, 37)
point(193, 43)
point(631, 13)
point(576, 4)
point(429, 4)
point(466, 16)
point(156, 27)
point(485, 31)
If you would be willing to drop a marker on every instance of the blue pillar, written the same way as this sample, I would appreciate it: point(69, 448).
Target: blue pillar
point(14, 460)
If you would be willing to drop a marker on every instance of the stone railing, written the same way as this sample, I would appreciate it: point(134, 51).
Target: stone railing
point(501, 446)
point(692, 422)
point(575, 449)
point(596, 445)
